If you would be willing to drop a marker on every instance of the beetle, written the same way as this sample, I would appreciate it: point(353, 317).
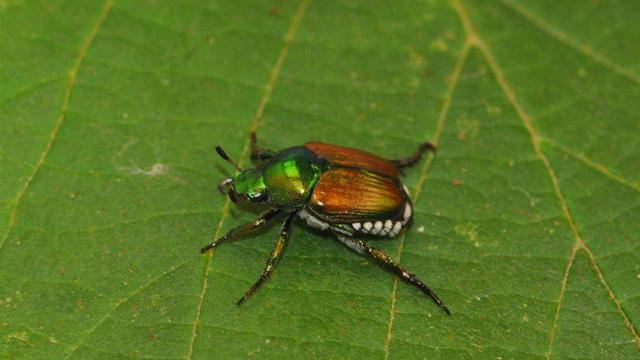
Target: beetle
point(342, 190)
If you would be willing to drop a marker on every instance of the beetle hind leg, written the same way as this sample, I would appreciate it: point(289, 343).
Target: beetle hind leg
point(388, 264)
point(415, 157)
point(274, 258)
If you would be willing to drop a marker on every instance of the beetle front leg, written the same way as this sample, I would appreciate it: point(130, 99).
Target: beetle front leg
point(274, 258)
point(258, 154)
point(243, 229)
point(386, 262)
point(411, 160)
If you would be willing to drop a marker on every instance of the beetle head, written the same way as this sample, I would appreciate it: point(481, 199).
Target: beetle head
point(245, 184)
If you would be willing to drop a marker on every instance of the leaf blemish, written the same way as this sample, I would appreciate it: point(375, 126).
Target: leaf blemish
point(156, 170)
point(467, 128)
point(493, 109)
point(532, 200)
point(20, 336)
point(469, 232)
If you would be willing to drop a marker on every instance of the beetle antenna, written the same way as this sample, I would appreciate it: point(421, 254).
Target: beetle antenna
point(226, 157)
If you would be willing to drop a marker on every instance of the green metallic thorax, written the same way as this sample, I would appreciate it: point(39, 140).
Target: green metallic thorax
point(285, 181)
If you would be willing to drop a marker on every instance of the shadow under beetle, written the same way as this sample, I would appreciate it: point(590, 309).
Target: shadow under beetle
point(342, 190)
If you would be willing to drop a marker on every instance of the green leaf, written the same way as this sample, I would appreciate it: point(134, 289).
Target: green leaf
point(526, 220)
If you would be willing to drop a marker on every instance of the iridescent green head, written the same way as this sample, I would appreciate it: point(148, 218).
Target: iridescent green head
point(249, 185)
point(245, 184)
point(284, 181)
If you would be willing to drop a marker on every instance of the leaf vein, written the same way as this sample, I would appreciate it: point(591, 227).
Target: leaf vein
point(31, 87)
point(594, 165)
point(535, 139)
point(453, 81)
point(115, 306)
point(567, 40)
point(63, 110)
point(273, 77)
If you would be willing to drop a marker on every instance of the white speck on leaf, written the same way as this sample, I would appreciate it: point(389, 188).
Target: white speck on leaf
point(20, 335)
point(532, 200)
point(156, 170)
point(493, 109)
point(469, 232)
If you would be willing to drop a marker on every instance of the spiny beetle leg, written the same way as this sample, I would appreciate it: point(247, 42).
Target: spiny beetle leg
point(274, 258)
point(243, 229)
point(386, 262)
point(258, 154)
point(411, 160)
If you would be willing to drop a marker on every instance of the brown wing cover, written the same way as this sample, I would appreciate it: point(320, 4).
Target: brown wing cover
point(348, 195)
point(354, 158)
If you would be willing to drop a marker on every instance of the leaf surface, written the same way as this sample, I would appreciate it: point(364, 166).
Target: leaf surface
point(525, 220)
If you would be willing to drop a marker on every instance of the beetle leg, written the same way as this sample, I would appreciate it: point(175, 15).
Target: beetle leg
point(411, 160)
point(258, 154)
point(386, 262)
point(243, 229)
point(272, 261)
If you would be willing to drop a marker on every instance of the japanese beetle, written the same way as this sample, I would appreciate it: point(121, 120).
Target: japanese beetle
point(338, 189)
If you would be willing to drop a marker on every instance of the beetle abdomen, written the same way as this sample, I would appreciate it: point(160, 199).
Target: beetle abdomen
point(361, 192)
point(388, 227)
point(383, 228)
